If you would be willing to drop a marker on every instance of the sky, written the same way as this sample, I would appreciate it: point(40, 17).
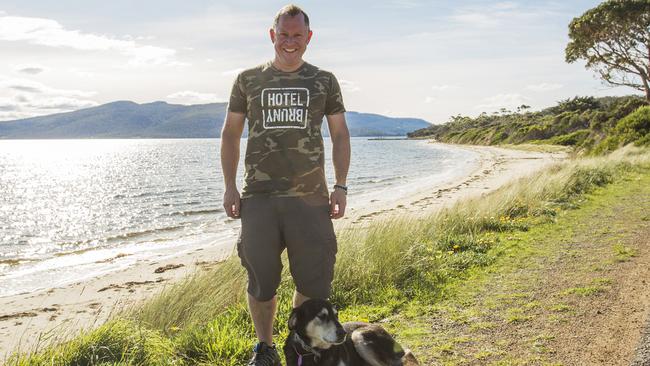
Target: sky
point(402, 58)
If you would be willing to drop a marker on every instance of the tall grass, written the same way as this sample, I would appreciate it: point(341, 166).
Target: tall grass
point(203, 320)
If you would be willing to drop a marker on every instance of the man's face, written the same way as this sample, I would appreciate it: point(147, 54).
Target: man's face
point(290, 40)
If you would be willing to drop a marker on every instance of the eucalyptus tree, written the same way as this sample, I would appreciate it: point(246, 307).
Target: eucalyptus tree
point(614, 39)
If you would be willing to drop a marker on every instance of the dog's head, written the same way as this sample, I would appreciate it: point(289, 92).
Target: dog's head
point(317, 323)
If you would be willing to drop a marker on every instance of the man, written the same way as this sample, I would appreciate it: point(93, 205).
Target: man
point(285, 202)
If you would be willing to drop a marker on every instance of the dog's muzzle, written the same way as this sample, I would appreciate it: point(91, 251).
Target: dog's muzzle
point(341, 335)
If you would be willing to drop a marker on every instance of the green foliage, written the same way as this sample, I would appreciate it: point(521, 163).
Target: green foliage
point(571, 139)
point(634, 128)
point(575, 104)
point(586, 123)
point(613, 39)
point(118, 341)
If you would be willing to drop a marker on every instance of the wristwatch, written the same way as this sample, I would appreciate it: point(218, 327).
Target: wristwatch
point(344, 188)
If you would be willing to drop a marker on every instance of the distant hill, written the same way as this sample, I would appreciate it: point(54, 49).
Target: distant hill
point(125, 119)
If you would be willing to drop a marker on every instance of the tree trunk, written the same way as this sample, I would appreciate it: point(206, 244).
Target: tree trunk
point(646, 87)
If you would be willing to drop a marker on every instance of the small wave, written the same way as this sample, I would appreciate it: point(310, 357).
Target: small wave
point(76, 251)
point(149, 194)
point(136, 234)
point(15, 261)
point(196, 212)
point(382, 180)
point(365, 178)
point(173, 191)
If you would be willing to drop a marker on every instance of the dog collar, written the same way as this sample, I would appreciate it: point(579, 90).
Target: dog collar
point(311, 351)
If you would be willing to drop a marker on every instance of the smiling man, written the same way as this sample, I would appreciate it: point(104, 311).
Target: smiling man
point(285, 201)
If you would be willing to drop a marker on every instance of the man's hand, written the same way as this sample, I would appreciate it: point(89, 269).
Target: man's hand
point(338, 200)
point(230, 137)
point(341, 158)
point(232, 203)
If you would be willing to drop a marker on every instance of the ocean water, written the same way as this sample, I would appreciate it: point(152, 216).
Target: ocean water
point(67, 207)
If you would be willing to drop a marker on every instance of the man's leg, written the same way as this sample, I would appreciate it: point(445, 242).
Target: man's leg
point(263, 314)
point(298, 299)
point(259, 248)
point(311, 246)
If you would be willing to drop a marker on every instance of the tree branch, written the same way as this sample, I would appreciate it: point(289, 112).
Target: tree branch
point(619, 83)
point(603, 59)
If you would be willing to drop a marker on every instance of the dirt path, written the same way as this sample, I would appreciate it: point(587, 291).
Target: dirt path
point(572, 292)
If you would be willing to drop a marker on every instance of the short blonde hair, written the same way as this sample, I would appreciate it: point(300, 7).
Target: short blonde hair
point(291, 10)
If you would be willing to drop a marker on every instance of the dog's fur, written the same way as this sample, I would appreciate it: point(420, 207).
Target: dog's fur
point(317, 336)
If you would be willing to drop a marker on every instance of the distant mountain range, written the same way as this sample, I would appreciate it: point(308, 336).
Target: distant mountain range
point(125, 119)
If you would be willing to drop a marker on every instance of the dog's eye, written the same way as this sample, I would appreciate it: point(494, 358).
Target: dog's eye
point(322, 316)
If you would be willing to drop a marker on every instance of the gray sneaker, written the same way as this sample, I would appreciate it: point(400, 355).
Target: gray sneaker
point(265, 355)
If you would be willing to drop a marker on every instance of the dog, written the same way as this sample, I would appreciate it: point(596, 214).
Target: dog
point(316, 337)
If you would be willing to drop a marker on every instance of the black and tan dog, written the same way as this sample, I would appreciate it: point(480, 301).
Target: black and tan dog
point(318, 338)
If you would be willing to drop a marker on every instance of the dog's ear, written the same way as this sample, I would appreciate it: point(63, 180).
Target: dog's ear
point(293, 318)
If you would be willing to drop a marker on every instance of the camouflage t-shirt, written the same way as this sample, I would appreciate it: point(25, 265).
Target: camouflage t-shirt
point(284, 154)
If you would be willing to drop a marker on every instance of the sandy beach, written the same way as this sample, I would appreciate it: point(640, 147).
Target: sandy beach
point(28, 321)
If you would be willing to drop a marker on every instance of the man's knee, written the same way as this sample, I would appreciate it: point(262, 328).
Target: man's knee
point(262, 293)
point(261, 303)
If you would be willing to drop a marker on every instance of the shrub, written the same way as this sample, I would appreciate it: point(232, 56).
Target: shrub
point(571, 139)
point(634, 126)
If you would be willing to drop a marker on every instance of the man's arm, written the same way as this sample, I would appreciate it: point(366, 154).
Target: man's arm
point(230, 138)
point(341, 159)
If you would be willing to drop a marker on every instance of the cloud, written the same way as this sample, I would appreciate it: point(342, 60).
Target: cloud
point(7, 105)
point(544, 87)
point(50, 33)
point(398, 4)
point(83, 73)
point(34, 87)
point(21, 98)
point(493, 15)
point(189, 96)
point(31, 69)
point(429, 99)
point(477, 19)
point(503, 101)
point(18, 108)
point(10, 116)
point(441, 88)
point(506, 5)
point(28, 98)
point(232, 72)
point(61, 104)
point(348, 86)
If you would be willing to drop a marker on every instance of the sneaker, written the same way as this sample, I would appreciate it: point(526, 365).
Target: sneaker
point(265, 355)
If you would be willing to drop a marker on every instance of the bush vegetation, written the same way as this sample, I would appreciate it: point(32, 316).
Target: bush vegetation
point(591, 125)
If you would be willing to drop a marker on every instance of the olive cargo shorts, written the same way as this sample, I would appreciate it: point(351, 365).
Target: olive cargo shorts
point(300, 224)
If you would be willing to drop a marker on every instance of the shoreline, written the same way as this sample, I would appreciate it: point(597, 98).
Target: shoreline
point(34, 319)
